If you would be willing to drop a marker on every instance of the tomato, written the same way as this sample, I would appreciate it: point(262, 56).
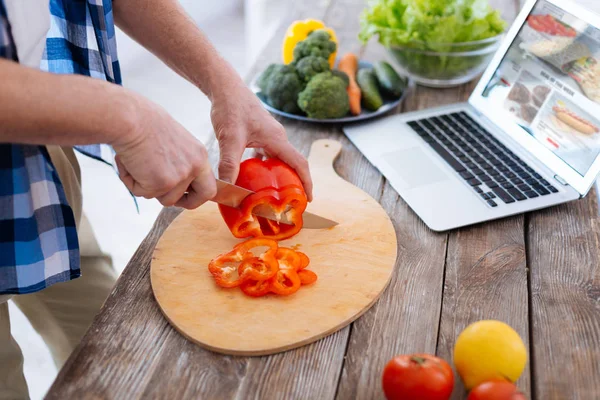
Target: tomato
point(496, 390)
point(417, 376)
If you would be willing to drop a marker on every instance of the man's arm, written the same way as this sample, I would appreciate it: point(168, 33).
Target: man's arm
point(38, 108)
point(240, 121)
point(42, 108)
point(164, 28)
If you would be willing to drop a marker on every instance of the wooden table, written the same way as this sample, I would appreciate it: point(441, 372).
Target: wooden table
point(539, 272)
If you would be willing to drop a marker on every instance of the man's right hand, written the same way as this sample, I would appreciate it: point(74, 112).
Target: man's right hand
point(158, 158)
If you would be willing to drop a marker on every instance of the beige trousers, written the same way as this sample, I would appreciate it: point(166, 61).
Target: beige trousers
point(61, 313)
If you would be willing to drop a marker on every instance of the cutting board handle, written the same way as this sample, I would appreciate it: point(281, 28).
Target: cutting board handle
point(323, 153)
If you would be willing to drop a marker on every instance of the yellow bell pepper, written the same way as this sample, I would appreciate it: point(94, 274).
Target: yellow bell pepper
point(298, 31)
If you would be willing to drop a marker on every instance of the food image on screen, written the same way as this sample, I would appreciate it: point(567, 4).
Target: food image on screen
point(574, 121)
point(551, 86)
point(540, 92)
point(525, 98)
point(528, 112)
point(548, 24)
point(586, 72)
point(520, 94)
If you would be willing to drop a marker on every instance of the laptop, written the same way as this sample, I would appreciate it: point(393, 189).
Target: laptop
point(528, 137)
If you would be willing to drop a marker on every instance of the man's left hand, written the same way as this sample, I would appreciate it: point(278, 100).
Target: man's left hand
point(241, 122)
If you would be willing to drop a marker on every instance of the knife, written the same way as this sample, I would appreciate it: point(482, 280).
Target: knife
point(232, 195)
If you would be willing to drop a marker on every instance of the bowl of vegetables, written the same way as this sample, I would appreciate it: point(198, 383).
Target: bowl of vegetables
point(439, 43)
point(313, 84)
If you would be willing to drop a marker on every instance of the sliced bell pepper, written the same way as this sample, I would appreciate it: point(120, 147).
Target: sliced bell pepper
point(286, 281)
point(278, 187)
point(304, 260)
point(256, 288)
point(307, 276)
point(261, 267)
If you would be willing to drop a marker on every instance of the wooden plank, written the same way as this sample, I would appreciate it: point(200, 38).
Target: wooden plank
point(486, 275)
point(415, 294)
point(116, 356)
point(486, 278)
point(405, 318)
point(564, 261)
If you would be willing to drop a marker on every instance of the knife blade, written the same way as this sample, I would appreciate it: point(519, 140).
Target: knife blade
point(232, 195)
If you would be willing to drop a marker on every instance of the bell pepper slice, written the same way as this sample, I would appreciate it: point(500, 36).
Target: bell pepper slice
point(256, 288)
point(307, 277)
point(224, 267)
point(257, 268)
point(276, 186)
point(289, 259)
point(286, 281)
point(304, 260)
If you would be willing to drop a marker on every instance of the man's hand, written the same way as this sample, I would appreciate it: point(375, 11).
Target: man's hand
point(163, 27)
point(159, 159)
point(241, 122)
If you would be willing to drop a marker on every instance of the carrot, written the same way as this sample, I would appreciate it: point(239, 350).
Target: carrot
point(349, 65)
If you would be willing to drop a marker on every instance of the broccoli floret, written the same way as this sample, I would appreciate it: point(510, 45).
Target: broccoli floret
point(318, 43)
point(341, 75)
point(308, 67)
point(264, 78)
point(324, 97)
point(282, 88)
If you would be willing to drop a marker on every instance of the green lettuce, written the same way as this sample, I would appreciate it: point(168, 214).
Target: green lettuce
point(406, 27)
point(429, 22)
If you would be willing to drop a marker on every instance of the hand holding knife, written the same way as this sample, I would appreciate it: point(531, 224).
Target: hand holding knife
point(232, 196)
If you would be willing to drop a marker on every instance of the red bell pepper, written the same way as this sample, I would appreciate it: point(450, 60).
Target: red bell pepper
point(278, 270)
point(304, 260)
point(306, 276)
point(256, 288)
point(277, 186)
point(262, 267)
point(286, 281)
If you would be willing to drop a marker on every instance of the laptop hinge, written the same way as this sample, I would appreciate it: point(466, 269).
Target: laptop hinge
point(561, 180)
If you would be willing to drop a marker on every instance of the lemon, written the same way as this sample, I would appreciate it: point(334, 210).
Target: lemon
point(488, 350)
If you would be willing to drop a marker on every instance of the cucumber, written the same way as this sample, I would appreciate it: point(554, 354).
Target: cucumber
point(371, 98)
point(390, 82)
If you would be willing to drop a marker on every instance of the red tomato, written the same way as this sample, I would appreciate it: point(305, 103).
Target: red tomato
point(496, 390)
point(417, 376)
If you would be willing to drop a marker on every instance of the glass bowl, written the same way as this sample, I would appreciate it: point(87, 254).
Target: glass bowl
point(445, 64)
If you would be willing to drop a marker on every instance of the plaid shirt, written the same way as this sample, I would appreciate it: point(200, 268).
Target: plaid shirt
point(38, 239)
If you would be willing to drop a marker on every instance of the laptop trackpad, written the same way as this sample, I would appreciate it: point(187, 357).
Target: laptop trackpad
point(415, 167)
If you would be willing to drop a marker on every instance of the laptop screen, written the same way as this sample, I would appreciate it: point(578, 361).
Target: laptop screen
point(549, 84)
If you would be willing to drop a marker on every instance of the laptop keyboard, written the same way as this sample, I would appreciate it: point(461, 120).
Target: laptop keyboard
point(494, 172)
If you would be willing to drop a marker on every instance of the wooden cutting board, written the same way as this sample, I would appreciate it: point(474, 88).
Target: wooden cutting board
point(354, 262)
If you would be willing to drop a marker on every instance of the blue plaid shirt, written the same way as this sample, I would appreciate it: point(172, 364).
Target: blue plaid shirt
point(38, 239)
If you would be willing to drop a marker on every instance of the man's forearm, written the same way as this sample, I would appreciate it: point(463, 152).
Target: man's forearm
point(164, 28)
point(42, 108)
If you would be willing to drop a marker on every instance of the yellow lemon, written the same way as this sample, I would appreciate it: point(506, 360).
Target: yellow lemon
point(297, 32)
point(488, 350)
